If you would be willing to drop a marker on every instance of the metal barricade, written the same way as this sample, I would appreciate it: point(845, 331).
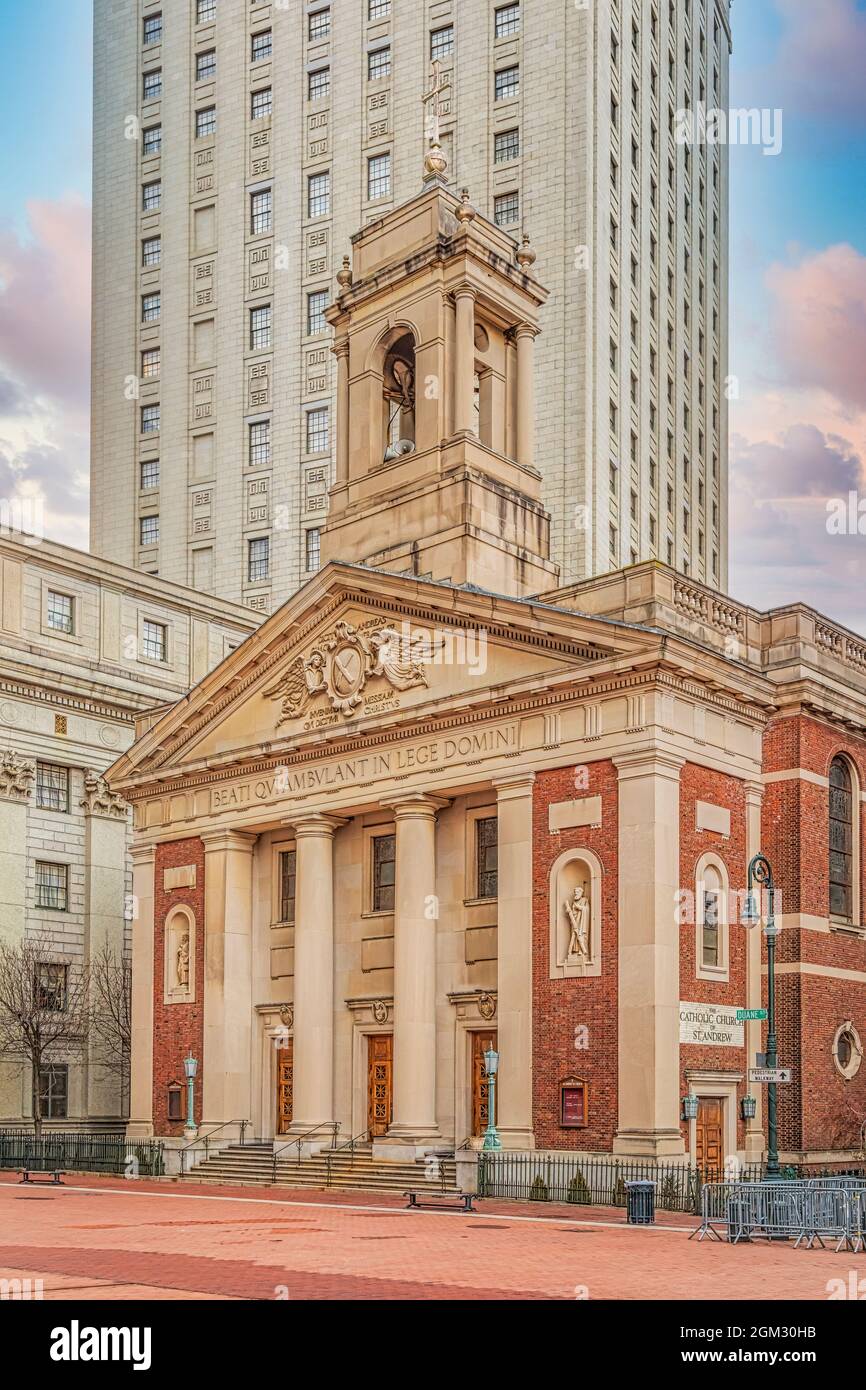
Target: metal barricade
point(807, 1211)
point(714, 1210)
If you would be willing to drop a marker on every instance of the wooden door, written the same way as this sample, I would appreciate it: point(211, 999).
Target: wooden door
point(285, 1081)
point(709, 1149)
point(380, 1067)
point(480, 1104)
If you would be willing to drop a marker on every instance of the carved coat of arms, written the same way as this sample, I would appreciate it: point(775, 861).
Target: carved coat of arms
point(340, 666)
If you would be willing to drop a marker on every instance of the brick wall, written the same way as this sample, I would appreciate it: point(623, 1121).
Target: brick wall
point(560, 1006)
point(177, 1028)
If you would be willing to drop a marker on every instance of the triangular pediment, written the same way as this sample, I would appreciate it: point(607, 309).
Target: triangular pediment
point(356, 649)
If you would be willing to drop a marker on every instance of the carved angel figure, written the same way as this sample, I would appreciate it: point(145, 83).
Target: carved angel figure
point(398, 661)
point(578, 911)
point(304, 679)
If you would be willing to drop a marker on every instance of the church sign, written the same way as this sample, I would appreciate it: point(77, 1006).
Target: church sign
point(710, 1025)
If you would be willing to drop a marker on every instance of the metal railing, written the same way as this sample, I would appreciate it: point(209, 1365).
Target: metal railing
point(589, 1180)
point(203, 1142)
point(333, 1125)
point(807, 1211)
point(350, 1144)
point(81, 1152)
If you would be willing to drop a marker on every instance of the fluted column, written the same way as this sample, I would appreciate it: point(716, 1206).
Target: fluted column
point(514, 967)
point(464, 361)
point(524, 336)
point(140, 1124)
point(313, 1080)
point(341, 352)
point(415, 917)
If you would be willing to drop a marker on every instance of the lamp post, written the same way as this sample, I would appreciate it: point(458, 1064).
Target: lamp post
point(190, 1066)
point(491, 1066)
point(761, 873)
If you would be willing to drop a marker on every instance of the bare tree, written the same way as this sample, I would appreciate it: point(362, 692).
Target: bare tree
point(44, 1008)
point(111, 1015)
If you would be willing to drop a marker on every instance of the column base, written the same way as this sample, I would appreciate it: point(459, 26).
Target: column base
point(650, 1143)
point(313, 1144)
point(756, 1146)
point(405, 1143)
point(139, 1129)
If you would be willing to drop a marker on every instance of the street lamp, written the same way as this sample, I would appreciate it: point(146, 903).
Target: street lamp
point(748, 1107)
point(190, 1066)
point(691, 1106)
point(491, 1066)
point(761, 873)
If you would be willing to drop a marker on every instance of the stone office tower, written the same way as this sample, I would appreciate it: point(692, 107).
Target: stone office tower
point(239, 144)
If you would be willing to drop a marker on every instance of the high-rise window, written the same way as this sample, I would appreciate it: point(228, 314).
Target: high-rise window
point(507, 21)
point(442, 42)
point(261, 103)
point(313, 547)
point(149, 477)
point(152, 29)
point(205, 11)
point(150, 362)
point(259, 559)
point(60, 613)
point(260, 327)
point(318, 430)
point(52, 886)
point(205, 65)
point(384, 865)
point(506, 209)
point(151, 85)
point(288, 881)
point(205, 122)
point(148, 530)
point(154, 640)
point(319, 84)
point(379, 176)
point(320, 24)
point(317, 303)
point(261, 212)
point(318, 195)
point(379, 9)
point(151, 197)
point(150, 419)
point(150, 308)
point(52, 787)
point(379, 64)
point(506, 146)
point(261, 46)
point(260, 442)
point(507, 83)
point(151, 140)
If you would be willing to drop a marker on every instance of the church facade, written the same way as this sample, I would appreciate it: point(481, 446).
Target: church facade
point(437, 802)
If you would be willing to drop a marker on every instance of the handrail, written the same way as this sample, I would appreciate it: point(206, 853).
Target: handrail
point(193, 1143)
point(349, 1144)
point(296, 1143)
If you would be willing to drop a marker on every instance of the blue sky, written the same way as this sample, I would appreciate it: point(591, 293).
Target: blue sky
point(798, 283)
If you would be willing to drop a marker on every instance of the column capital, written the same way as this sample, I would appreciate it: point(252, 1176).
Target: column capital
point(142, 854)
point(649, 762)
point(242, 841)
point(465, 292)
point(315, 823)
point(415, 805)
point(524, 330)
point(340, 348)
point(513, 786)
point(754, 790)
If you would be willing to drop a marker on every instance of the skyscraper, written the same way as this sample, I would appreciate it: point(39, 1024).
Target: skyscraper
point(238, 146)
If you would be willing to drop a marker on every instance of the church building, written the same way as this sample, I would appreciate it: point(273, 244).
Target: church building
point(437, 802)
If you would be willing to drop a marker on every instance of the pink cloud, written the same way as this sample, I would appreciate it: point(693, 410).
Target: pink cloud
point(45, 304)
point(822, 58)
point(818, 323)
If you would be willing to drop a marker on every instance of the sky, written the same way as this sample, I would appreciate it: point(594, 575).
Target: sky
point(798, 292)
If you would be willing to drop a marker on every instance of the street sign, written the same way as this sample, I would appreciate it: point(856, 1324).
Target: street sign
point(764, 1075)
point(745, 1015)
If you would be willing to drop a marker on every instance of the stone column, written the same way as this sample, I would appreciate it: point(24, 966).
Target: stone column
point(341, 351)
point(525, 338)
point(514, 986)
point(228, 1004)
point(414, 1126)
point(140, 1124)
point(756, 1142)
point(649, 955)
point(313, 1079)
point(464, 361)
point(106, 827)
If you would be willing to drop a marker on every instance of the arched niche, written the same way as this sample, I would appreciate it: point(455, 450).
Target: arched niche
point(179, 947)
point(712, 919)
point(574, 893)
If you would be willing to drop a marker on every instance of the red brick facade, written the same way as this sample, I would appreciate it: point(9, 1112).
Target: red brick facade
point(177, 1028)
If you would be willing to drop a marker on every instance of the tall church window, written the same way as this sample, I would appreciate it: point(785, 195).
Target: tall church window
point(841, 841)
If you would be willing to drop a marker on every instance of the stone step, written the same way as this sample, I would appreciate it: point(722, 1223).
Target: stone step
point(253, 1165)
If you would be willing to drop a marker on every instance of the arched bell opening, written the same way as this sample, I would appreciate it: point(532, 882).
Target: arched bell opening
point(398, 398)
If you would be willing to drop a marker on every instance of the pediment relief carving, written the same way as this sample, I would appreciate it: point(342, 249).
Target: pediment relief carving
point(339, 668)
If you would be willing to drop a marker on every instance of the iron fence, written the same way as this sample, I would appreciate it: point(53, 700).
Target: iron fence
point(81, 1153)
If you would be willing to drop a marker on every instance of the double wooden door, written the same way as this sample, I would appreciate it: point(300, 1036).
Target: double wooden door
point(480, 1084)
point(285, 1083)
point(709, 1146)
point(380, 1073)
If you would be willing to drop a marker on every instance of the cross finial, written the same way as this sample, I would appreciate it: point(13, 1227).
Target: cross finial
point(435, 162)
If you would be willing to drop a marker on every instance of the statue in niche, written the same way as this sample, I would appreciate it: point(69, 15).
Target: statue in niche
point(182, 961)
point(578, 911)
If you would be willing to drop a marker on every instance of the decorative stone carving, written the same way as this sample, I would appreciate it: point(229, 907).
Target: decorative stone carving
point(575, 915)
point(17, 775)
point(340, 666)
point(380, 1011)
point(578, 910)
point(182, 962)
point(100, 800)
point(287, 1016)
point(179, 951)
point(487, 1007)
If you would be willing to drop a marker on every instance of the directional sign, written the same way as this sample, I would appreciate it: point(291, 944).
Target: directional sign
point(763, 1075)
point(744, 1015)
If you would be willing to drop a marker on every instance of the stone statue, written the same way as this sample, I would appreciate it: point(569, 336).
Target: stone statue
point(17, 775)
point(182, 963)
point(578, 911)
point(100, 800)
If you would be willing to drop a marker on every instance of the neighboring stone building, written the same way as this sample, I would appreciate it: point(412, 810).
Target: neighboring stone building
point(86, 646)
point(261, 135)
point(437, 800)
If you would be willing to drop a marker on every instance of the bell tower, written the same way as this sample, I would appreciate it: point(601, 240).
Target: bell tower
point(435, 323)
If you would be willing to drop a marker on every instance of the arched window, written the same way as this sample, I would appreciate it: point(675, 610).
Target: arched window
point(399, 397)
point(841, 841)
point(711, 918)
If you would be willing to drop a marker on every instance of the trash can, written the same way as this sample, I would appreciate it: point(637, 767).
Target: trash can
point(640, 1202)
